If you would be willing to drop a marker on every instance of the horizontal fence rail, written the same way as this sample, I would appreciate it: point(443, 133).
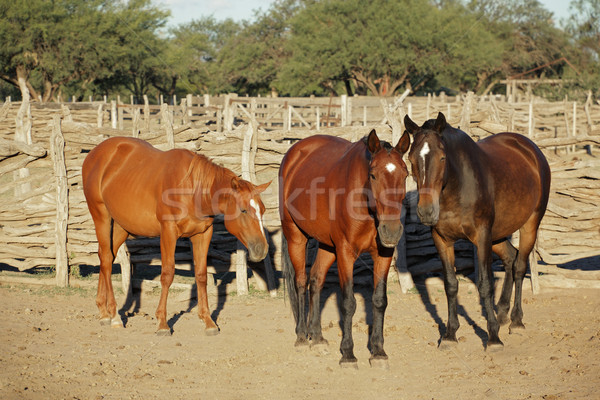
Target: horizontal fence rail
point(44, 219)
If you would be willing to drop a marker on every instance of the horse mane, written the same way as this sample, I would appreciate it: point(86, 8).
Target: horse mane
point(204, 173)
point(429, 124)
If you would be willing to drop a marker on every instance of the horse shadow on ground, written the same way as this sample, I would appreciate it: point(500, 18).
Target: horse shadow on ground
point(221, 281)
point(434, 312)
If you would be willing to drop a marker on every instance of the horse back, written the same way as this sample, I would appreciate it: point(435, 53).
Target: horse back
point(312, 171)
point(129, 177)
point(521, 178)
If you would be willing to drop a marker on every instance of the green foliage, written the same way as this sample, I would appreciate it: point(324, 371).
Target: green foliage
point(296, 47)
point(381, 46)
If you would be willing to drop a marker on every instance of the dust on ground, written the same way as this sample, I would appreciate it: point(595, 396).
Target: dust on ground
point(52, 346)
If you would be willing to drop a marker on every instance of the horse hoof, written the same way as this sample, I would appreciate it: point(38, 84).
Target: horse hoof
point(211, 331)
point(163, 332)
point(105, 321)
point(319, 342)
point(447, 344)
point(516, 329)
point(495, 347)
point(116, 322)
point(381, 363)
point(301, 342)
point(349, 364)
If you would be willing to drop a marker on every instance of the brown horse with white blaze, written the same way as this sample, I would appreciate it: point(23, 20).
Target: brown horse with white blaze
point(347, 196)
point(132, 188)
point(482, 192)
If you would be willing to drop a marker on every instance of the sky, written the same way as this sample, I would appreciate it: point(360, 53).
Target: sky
point(183, 11)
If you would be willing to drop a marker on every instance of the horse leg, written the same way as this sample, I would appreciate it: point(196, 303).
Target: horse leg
point(119, 235)
point(527, 238)
point(168, 240)
point(297, 252)
point(381, 267)
point(485, 286)
point(346, 259)
point(318, 271)
point(200, 244)
point(507, 253)
point(110, 237)
point(446, 251)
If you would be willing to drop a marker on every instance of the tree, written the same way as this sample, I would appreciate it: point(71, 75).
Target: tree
point(134, 48)
point(584, 26)
point(380, 46)
point(57, 45)
point(250, 59)
point(190, 53)
point(531, 42)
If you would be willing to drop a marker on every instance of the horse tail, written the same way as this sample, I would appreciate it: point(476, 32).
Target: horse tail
point(289, 276)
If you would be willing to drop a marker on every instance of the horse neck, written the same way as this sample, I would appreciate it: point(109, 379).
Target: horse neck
point(210, 180)
point(463, 154)
point(357, 163)
point(221, 185)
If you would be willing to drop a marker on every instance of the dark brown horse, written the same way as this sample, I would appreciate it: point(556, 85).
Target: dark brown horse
point(347, 196)
point(133, 188)
point(483, 192)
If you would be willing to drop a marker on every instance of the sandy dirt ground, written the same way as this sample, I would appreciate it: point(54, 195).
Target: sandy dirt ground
point(52, 346)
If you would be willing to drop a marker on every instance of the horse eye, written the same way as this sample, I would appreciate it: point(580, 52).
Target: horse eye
point(372, 176)
point(244, 211)
point(443, 158)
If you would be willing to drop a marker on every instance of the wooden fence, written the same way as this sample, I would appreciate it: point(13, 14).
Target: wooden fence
point(44, 219)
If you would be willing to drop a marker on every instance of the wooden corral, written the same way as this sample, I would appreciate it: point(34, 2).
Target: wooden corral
point(44, 219)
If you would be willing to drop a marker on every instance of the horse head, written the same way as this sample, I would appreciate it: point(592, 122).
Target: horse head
point(243, 210)
point(428, 161)
point(387, 179)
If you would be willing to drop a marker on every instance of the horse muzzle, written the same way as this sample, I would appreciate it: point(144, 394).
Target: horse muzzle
point(257, 251)
point(390, 233)
point(429, 214)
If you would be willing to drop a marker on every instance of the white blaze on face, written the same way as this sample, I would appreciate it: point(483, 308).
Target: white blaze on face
point(424, 151)
point(256, 209)
point(390, 167)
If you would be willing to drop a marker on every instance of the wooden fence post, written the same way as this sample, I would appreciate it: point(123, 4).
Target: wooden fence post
point(465, 119)
point(228, 113)
point(530, 122)
point(566, 108)
point(404, 275)
point(574, 123)
point(167, 121)
point(146, 113)
point(533, 269)
point(136, 123)
point(120, 113)
point(123, 259)
point(100, 115)
point(57, 149)
point(113, 114)
point(23, 135)
point(190, 103)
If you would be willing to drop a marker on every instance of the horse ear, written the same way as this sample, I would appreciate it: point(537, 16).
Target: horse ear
point(440, 123)
point(411, 127)
point(373, 142)
point(235, 184)
point(261, 188)
point(403, 144)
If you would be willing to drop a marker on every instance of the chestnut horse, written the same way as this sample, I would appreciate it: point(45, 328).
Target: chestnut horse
point(133, 188)
point(483, 192)
point(347, 196)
